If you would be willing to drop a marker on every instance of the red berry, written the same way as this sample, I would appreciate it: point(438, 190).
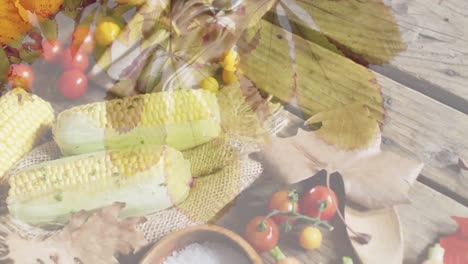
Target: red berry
point(74, 59)
point(21, 75)
point(73, 84)
point(51, 49)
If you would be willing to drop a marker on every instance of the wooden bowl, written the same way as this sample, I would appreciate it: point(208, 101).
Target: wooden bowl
point(198, 234)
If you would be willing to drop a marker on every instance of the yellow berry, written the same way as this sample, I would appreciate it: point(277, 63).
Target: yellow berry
point(106, 33)
point(210, 84)
point(310, 238)
point(230, 61)
point(229, 77)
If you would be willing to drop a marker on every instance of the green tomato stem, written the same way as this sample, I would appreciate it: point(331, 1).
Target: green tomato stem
point(277, 254)
point(314, 221)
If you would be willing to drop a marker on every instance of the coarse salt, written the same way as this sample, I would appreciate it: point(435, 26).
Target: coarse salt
point(207, 253)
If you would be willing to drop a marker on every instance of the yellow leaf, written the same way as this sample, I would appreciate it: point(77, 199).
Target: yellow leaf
point(22, 11)
point(15, 16)
point(366, 28)
point(312, 79)
point(348, 127)
point(12, 23)
point(42, 8)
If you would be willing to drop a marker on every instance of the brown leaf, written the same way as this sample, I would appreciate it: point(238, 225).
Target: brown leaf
point(384, 227)
point(373, 178)
point(96, 238)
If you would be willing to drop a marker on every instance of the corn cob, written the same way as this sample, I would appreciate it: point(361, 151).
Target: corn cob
point(23, 120)
point(181, 119)
point(147, 179)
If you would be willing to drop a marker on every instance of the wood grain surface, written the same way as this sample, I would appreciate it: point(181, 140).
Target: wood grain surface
point(436, 35)
point(423, 220)
point(415, 125)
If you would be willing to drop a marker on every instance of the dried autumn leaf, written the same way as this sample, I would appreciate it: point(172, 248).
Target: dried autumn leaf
point(42, 8)
point(12, 24)
point(385, 229)
point(310, 77)
point(349, 127)
point(373, 178)
point(365, 30)
point(97, 238)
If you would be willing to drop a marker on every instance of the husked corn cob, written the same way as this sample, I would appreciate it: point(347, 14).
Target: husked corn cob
point(182, 119)
point(147, 179)
point(23, 120)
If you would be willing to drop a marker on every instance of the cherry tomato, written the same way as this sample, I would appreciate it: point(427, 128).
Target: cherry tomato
point(210, 84)
point(229, 77)
point(310, 202)
point(262, 237)
point(72, 84)
point(75, 59)
point(21, 75)
point(106, 32)
point(310, 238)
point(82, 39)
point(51, 49)
point(284, 201)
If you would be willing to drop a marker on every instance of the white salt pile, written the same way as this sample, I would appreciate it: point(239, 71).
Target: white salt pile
point(207, 253)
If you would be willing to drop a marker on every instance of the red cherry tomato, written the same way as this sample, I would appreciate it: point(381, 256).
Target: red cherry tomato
point(21, 75)
point(82, 39)
point(311, 199)
point(284, 201)
point(51, 49)
point(73, 84)
point(262, 237)
point(77, 60)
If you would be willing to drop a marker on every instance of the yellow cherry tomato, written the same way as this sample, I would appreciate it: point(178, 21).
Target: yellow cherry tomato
point(229, 77)
point(310, 238)
point(210, 84)
point(230, 61)
point(106, 32)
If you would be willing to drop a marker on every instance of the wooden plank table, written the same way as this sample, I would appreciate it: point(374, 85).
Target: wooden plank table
point(425, 94)
point(429, 126)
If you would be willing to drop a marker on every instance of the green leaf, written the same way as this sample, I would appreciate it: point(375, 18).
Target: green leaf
point(70, 7)
point(363, 29)
point(4, 65)
point(29, 56)
point(49, 28)
point(312, 79)
point(350, 126)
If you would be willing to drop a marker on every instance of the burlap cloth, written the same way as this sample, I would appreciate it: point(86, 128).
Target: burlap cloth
point(209, 195)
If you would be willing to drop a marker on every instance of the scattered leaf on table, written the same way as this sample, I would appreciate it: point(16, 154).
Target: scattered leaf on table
point(349, 127)
point(386, 245)
point(90, 237)
point(310, 78)
point(366, 31)
point(373, 178)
